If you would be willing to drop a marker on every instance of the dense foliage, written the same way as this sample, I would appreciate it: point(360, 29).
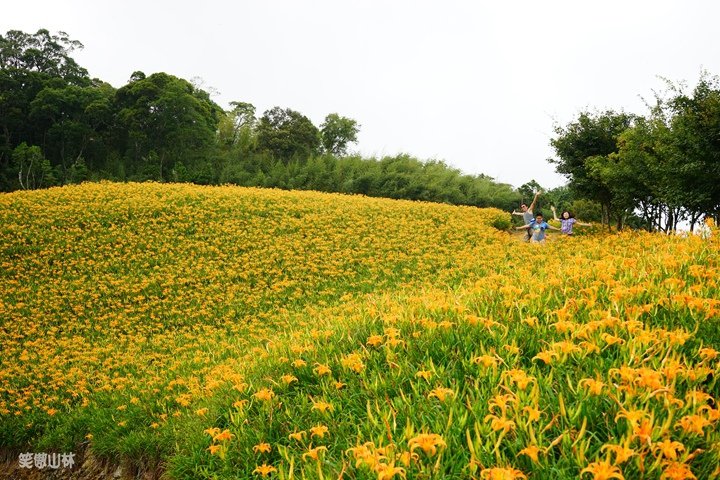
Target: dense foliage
point(654, 171)
point(59, 126)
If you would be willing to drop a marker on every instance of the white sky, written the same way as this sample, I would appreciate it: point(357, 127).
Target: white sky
point(477, 84)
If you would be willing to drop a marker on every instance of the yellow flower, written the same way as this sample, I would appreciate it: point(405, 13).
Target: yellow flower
point(486, 361)
point(297, 435)
point(520, 378)
point(407, 457)
point(213, 449)
point(365, 455)
point(531, 321)
point(264, 394)
point(224, 435)
point(499, 423)
point(428, 442)
point(262, 448)
point(611, 339)
point(425, 374)
point(322, 405)
point(594, 387)
point(265, 469)
point(669, 449)
point(531, 451)
point(632, 416)
point(693, 424)
point(622, 453)
point(677, 471)
point(299, 363)
point(319, 431)
point(201, 412)
point(708, 353)
point(441, 393)
point(374, 340)
point(501, 401)
point(533, 413)
point(354, 362)
point(643, 431)
point(500, 473)
point(313, 452)
point(322, 369)
point(512, 349)
point(288, 379)
point(603, 471)
point(387, 471)
point(546, 356)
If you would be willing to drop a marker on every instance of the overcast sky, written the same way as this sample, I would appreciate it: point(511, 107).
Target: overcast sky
point(477, 84)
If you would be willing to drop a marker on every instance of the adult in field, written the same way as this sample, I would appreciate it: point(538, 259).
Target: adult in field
point(536, 228)
point(567, 221)
point(527, 213)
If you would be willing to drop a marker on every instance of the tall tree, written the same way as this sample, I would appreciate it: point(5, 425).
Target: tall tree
point(42, 52)
point(162, 120)
point(285, 134)
point(30, 63)
point(337, 132)
point(591, 136)
point(696, 136)
point(74, 120)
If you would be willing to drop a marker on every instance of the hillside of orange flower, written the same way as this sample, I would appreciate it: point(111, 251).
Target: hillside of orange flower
point(234, 332)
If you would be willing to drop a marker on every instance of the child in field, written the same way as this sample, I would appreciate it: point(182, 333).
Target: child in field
point(536, 228)
point(567, 220)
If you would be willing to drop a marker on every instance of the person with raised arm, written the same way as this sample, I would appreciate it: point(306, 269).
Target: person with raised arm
point(536, 228)
point(527, 213)
point(567, 220)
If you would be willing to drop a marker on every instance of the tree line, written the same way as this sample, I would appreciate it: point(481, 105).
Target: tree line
point(58, 126)
point(652, 171)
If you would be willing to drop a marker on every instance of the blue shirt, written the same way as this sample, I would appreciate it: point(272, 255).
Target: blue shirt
point(537, 230)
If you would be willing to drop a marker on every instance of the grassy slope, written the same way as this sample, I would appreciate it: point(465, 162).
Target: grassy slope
point(138, 317)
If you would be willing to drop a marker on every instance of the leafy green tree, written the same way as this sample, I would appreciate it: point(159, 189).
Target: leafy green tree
point(75, 121)
point(235, 128)
point(162, 119)
point(591, 136)
point(285, 134)
point(337, 132)
point(585, 210)
point(560, 198)
point(78, 171)
point(43, 53)
point(30, 63)
point(33, 169)
point(695, 126)
point(528, 190)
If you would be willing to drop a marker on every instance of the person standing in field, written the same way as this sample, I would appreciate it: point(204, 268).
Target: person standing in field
point(536, 228)
point(527, 214)
point(567, 220)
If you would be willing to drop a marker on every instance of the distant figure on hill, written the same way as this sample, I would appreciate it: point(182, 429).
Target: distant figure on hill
point(567, 220)
point(527, 214)
point(536, 229)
